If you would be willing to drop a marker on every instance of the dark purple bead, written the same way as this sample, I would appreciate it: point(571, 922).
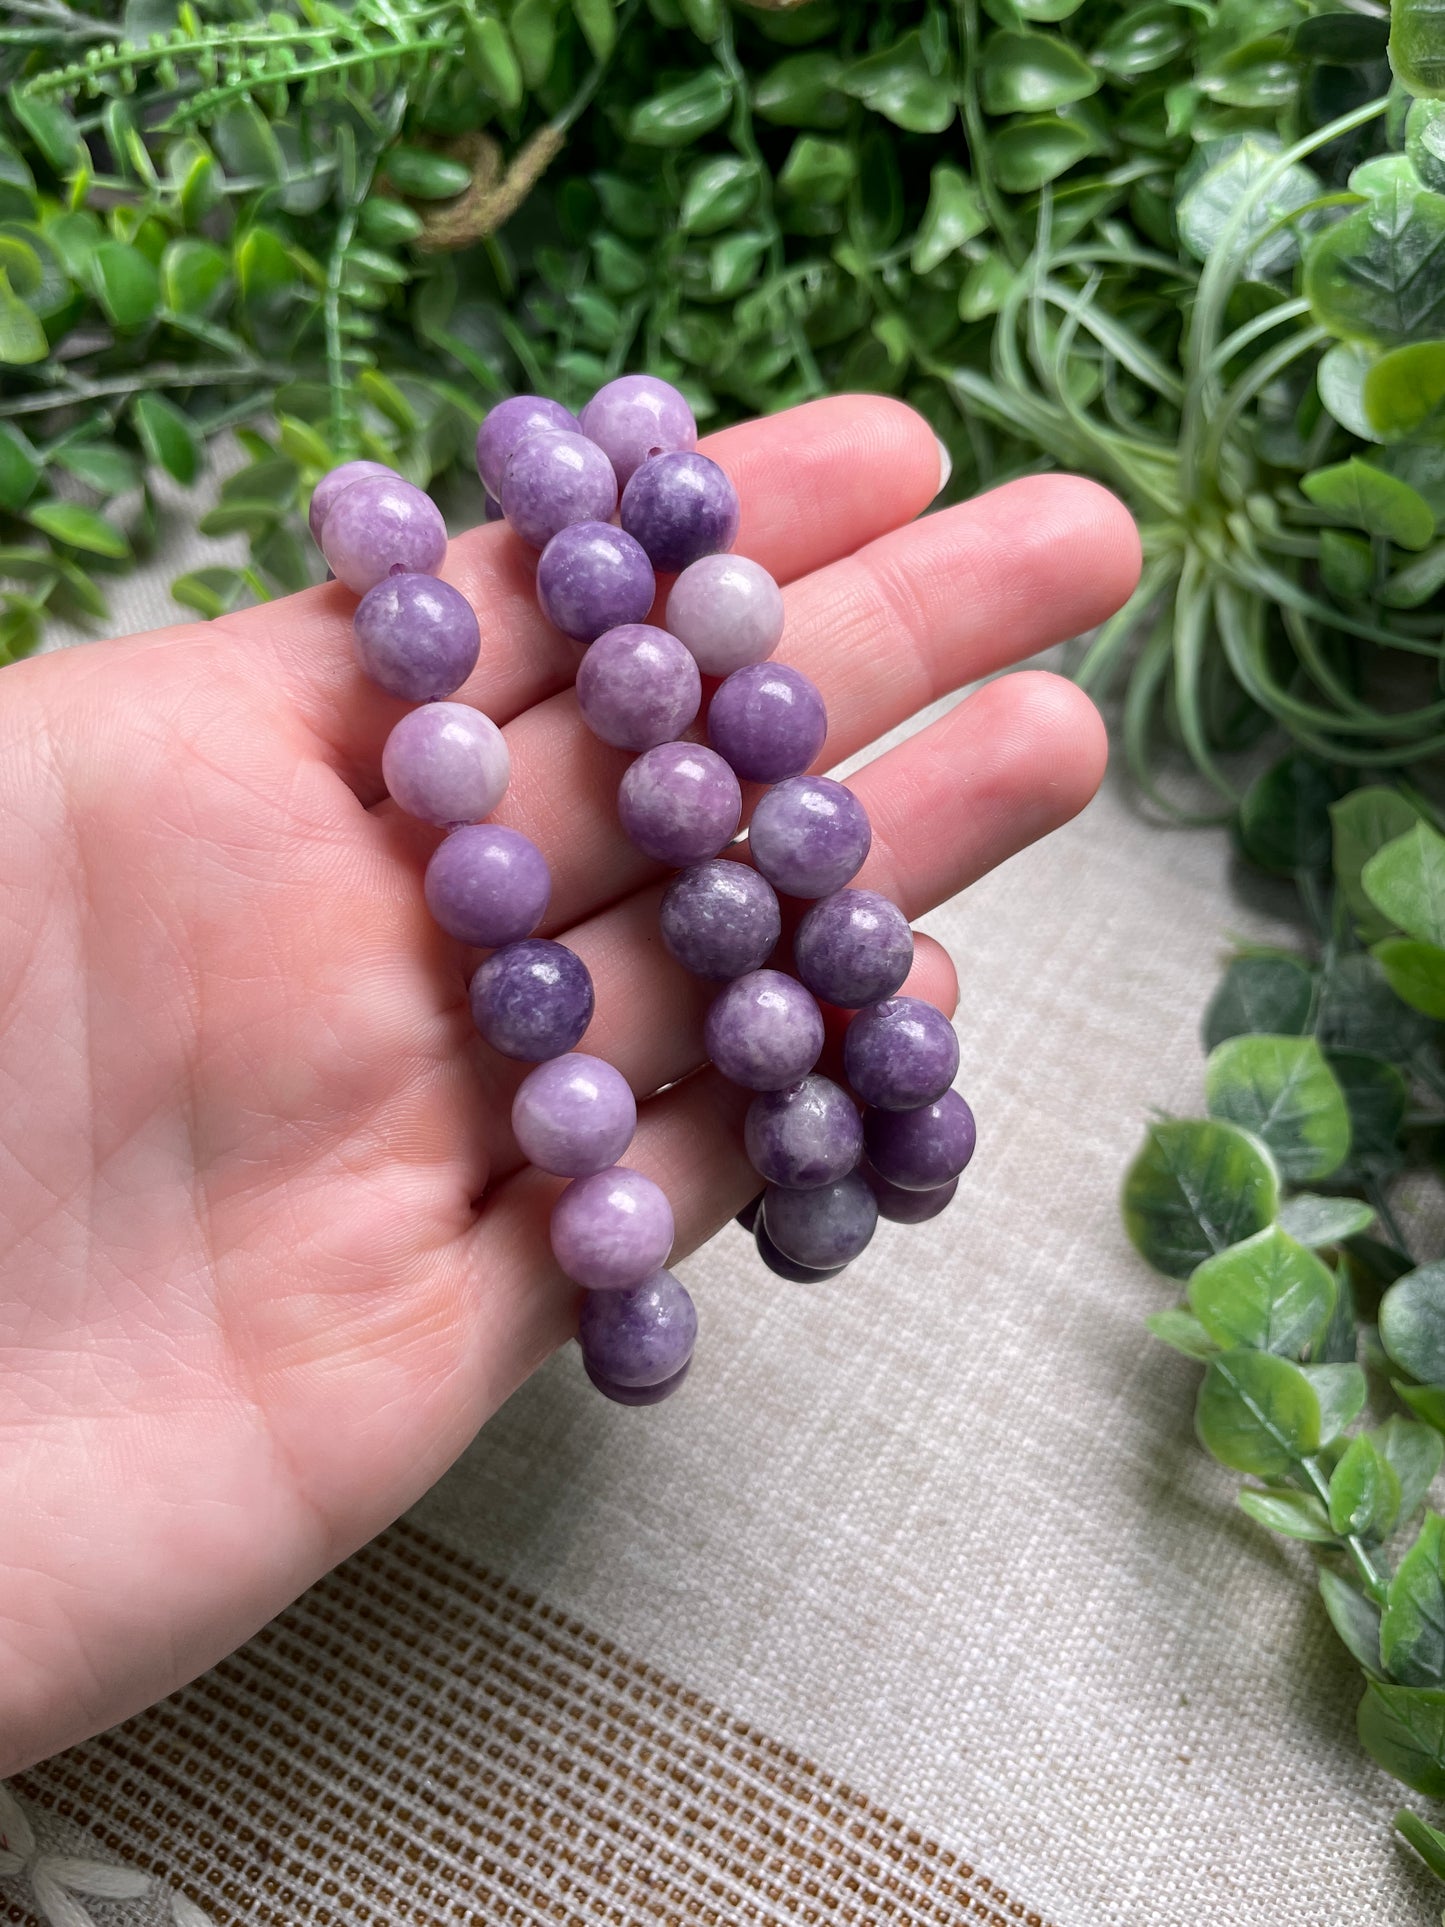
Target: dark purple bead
point(909, 1207)
point(637, 1394)
point(784, 1267)
point(415, 636)
point(641, 1336)
point(924, 1149)
point(331, 485)
point(553, 480)
point(764, 1031)
point(508, 425)
point(680, 507)
point(809, 836)
point(679, 803)
point(822, 1228)
point(720, 919)
point(807, 1135)
point(487, 885)
point(532, 1000)
point(768, 721)
point(638, 687)
point(592, 578)
point(900, 1054)
point(748, 1216)
point(853, 948)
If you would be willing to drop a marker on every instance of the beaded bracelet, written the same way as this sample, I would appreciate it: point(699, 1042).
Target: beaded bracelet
point(829, 1171)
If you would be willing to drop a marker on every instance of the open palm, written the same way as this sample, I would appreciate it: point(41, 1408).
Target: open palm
point(268, 1255)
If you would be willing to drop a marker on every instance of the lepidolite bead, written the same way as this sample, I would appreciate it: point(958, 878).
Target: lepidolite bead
point(900, 1054)
point(638, 687)
point(809, 836)
point(728, 611)
point(909, 1207)
point(488, 885)
point(720, 919)
point(923, 1149)
point(415, 636)
point(508, 425)
point(783, 1266)
point(637, 1394)
point(807, 1135)
point(379, 524)
point(679, 803)
point(331, 485)
point(853, 948)
point(446, 763)
point(822, 1228)
point(637, 416)
point(592, 578)
point(574, 1115)
point(612, 1230)
point(640, 1336)
point(768, 721)
point(552, 480)
point(764, 1031)
point(532, 1000)
point(680, 507)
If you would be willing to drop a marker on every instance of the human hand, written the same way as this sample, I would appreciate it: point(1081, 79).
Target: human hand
point(268, 1256)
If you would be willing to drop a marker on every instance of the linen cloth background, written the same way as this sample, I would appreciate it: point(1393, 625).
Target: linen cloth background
point(936, 1537)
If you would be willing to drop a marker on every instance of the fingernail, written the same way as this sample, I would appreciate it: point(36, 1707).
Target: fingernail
point(945, 464)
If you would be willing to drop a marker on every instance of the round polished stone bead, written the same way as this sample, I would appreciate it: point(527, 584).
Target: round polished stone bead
point(822, 1228)
point(809, 836)
point(728, 611)
point(637, 416)
point(853, 948)
point(764, 1031)
point(900, 1054)
point(331, 485)
point(680, 507)
point(637, 1394)
point(574, 1115)
point(720, 919)
point(768, 721)
point(487, 885)
point(415, 636)
point(909, 1207)
point(491, 508)
point(532, 999)
point(638, 687)
point(505, 427)
point(379, 524)
point(807, 1135)
point(748, 1216)
point(446, 763)
point(593, 578)
point(923, 1149)
point(679, 803)
point(552, 480)
point(784, 1267)
point(640, 1336)
point(612, 1230)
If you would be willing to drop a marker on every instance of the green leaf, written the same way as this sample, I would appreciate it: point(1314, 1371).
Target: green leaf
point(1364, 1491)
point(734, 262)
point(247, 143)
point(1341, 1391)
point(1427, 1841)
point(1367, 498)
point(1343, 39)
point(1358, 1011)
point(20, 468)
point(1282, 1090)
point(1417, 46)
point(22, 338)
point(1419, 581)
point(1195, 1188)
point(1297, 1515)
point(100, 465)
point(954, 215)
point(1347, 564)
point(803, 91)
point(1412, 1323)
point(263, 265)
point(1273, 994)
point(683, 113)
point(534, 35)
point(1412, 1631)
point(1212, 200)
point(1029, 73)
point(985, 288)
point(78, 528)
point(598, 21)
point(1140, 41)
point(1362, 823)
point(1374, 275)
point(1425, 141)
point(1414, 1452)
point(897, 82)
point(1257, 1413)
point(1340, 378)
point(51, 127)
point(1316, 1221)
point(1402, 1728)
point(423, 175)
point(1427, 1402)
point(1404, 391)
point(167, 437)
point(1354, 1617)
point(1405, 881)
point(1182, 1332)
point(1266, 1291)
point(192, 274)
point(1416, 972)
point(1028, 154)
point(1283, 820)
point(126, 283)
point(818, 170)
point(719, 191)
point(492, 59)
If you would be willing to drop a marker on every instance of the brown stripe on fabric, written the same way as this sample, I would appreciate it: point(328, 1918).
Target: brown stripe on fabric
point(419, 1741)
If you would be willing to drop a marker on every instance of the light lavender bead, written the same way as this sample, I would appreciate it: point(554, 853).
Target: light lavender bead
point(593, 578)
point(415, 636)
point(679, 803)
point(612, 1230)
point(728, 611)
point(822, 1228)
point(764, 1031)
point(638, 1337)
point(783, 1266)
point(768, 721)
point(680, 507)
point(853, 948)
point(923, 1149)
point(807, 1135)
point(446, 764)
point(553, 480)
point(720, 919)
point(487, 885)
point(900, 1054)
point(532, 999)
point(637, 416)
point(508, 425)
point(637, 1394)
point(379, 524)
point(909, 1207)
point(809, 836)
point(638, 687)
point(574, 1116)
point(331, 485)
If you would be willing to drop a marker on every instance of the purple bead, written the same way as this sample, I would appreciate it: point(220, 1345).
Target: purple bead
point(552, 480)
point(592, 578)
point(764, 1031)
point(379, 524)
point(331, 485)
point(809, 836)
point(637, 687)
point(487, 885)
point(415, 636)
point(637, 1394)
point(720, 919)
point(446, 764)
point(532, 1000)
point(509, 424)
point(640, 1336)
point(822, 1228)
point(784, 1267)
point(491, 508)
point(679, 803)
point(728, 611)
point(612, 1230)
point(924, 1149)
point(853, 948)
point(748, 1216)
point(909, 1207)
point(900, 1054)
point(574, 1116)
point(768, 721)
point(680, 507)
point(637, 416)
point(804, 1136)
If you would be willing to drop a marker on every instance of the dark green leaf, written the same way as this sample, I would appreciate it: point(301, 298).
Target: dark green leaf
point(598, 21)
point(247, 143)
point(1345, 38)
point(1374, 275)
point(1364, 1491)
point(51, 127)
point(20, 468)
point(1273, 994)
point(1028, 73)
point(1347, 563)
point(1257, 1413)
point(1196, 1188)
point(818, 170)
point(1283, 820)
point(167, 437)
point(1358, 1011)
point(1182, 1332)
point(1316, 1221)
point(1375, 1095)
point(1296, 1515)
point(683, 113)
point(803, 91)
point(1425, 141)
point(1417, 582)
point(1236, 170)
point(1281, 1090)
point(263, 265)
point(126, 283)
point(1427, 1402)
point(1354, 1617)
point(423, 175)
point(954, 215)
point(1402, 1728)
point(1028, 154)
point(718, 192)
point(897, 83)
point(1417, 46)
point(1412, 1323)
point(1365, 497)
point(79, 528)
point(492, 59)
point(192, 274)
point(1141, 40)
point(534, 35)
point(1266, 1291)
point(1412, 1631)
point(1427, 1841)
point(1362, 823)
